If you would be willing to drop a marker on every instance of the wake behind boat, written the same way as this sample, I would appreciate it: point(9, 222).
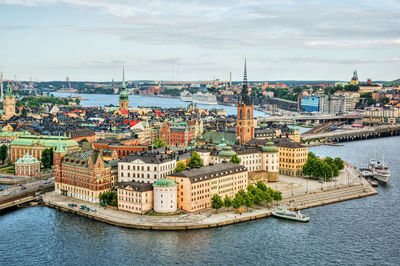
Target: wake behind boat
point(291, 215)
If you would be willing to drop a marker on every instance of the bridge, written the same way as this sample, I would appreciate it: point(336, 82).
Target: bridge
point(309, 119)
point(353, 134)
point(23, 197)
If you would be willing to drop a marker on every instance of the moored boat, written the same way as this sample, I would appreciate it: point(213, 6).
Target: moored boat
point(380, 171)
point(291, 215)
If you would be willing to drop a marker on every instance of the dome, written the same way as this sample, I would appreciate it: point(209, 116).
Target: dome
point(165, 182)
point(27, 159)
point(227, 152)
point(269, 147)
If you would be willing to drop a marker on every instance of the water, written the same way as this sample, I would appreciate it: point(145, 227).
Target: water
point(357, 232)
point(135, 101)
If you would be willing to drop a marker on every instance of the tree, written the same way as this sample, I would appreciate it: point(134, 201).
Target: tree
point(51, 157)
point(216, 202)
point(339, 163)
point(77, 101)
point(84, 140)
point(248, 200)
point(277, 195)
point(109, 198)
point(46, 158)
point(3, 153)
point(261, 186)
point(227, 201)
point(23, 112)
point(236, 203)
point(195, 160)
point(235, 159)
point(180, 166)
point(160, 143)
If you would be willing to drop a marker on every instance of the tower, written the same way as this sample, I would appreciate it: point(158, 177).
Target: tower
point(123, 96)
point(244, 121)
point(1, 85)
point(354, 80)
point(9, 102)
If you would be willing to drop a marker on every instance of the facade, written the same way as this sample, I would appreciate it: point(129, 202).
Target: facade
point(310, 103)
point(9, 103)
point(379, 115)
point(292, 157)
point(177, 135)
point(245, 123)
point(80, 134)
point(197, 186)
point(27, 166)
point(135, 197)
point(146, 167)
point(82, 175)
point(165, 196)
point(121, 149)
point(34, 145)
point(123, 96)
point(336, 104)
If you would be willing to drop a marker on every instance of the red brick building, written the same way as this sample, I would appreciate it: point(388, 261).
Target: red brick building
point(177, 135)
point(122, 150)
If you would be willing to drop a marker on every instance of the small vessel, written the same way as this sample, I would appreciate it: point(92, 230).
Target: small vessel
point(379, 170)
point(291, 215)
point(373, 182)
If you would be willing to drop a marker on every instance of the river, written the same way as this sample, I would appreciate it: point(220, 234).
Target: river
point(358, 232)
point(136, 100)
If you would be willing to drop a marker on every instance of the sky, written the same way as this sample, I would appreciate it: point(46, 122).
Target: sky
point(91, 40)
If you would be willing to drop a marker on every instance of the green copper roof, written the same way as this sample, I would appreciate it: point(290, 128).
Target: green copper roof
point(269, 147)
point(227, 152)
point(14, 133)
point(123, 95)
point(60, 147)
point(165, 182)
point(27, 159)
point(9, 90)
point(47, 141)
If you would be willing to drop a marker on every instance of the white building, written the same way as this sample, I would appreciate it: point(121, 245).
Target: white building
point(145, 167)
point(165, 196)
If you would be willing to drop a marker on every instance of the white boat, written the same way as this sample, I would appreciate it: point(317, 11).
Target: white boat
point(204, 98)
point(379, 170)
point(291, 215)
point(186, 96)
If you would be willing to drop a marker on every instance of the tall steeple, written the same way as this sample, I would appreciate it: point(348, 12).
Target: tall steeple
point(59, 148)
point(244, 94)
point(123, 95)
point(123, 86)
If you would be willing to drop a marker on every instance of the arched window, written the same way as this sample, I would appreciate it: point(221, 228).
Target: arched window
point(248, 114)
point(241, 114)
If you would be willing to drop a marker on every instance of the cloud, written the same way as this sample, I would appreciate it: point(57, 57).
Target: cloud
point(345, 61)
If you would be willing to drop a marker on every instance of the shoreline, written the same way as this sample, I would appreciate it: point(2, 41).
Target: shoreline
point(207, 218)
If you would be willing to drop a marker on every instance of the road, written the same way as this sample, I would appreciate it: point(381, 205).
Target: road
point(17, 189)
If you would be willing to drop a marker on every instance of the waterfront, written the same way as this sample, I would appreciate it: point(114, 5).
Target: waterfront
point(356, 232)
point(92, 100)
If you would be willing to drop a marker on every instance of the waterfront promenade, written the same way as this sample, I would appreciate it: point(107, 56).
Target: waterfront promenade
point(295, 196)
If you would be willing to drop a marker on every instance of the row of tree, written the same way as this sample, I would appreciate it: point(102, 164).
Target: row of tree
point(322, 168)
point(256, 194)
point(109, 198)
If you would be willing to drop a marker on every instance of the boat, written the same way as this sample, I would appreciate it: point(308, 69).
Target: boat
point(204, 98)
point(291, 215)
point(186, 96)
point(373, 182)
point(380, 171)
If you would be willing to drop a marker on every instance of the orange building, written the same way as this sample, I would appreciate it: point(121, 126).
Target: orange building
point(135, 197)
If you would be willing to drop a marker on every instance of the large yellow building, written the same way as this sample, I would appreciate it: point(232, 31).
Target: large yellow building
point(292, 157)
point(197, 186)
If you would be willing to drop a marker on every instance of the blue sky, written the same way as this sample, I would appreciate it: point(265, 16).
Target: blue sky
point(199, 40)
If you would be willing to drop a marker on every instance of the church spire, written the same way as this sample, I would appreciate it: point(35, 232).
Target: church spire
point(59, 148)
point(123, 86)
point(244, 94)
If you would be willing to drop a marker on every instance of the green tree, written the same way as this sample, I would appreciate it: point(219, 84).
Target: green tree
point(24, 112)
point(46, 158)
point(339, 163)
point(227, 201)
point(236, 203)
point(216, 202)
point(277, 195)
point(51, 157)
point(308, 167)
point(160, 143)
point(109, 198)
point(180, 166)
point(77, 101)
point(84, 140)
point(3, 153)
point(195, 160)
point(248, 200)
point(235, 159)
point(261, 186)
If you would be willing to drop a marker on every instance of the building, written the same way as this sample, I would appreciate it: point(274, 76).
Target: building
point(27, 166)
point(79, 134)
point(310, 103)
point(165, 196)
point(292, 156)
point(177, 135)
point(135, 197)
point(354, 80)
point(197, 186)
point(337, 104)
point(82, 175)
point(123, 96)
point(8, 103)
point(121, 148)
point(146, 167)
point(245, 123)
point(34, 145)
point(379, 115)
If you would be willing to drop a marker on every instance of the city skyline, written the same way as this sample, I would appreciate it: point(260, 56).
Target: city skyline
point(191, 40)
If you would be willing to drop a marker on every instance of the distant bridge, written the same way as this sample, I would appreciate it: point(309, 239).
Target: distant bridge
point(354, 134)
point(310, 119)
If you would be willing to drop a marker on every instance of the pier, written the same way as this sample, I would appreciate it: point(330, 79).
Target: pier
point(310, 119)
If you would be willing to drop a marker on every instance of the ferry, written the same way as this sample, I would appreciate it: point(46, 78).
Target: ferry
point(291, 215)
point(379, 170)
point(204, 98)
point(186, 96)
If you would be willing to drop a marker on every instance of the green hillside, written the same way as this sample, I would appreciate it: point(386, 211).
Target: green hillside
point(393, 83)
